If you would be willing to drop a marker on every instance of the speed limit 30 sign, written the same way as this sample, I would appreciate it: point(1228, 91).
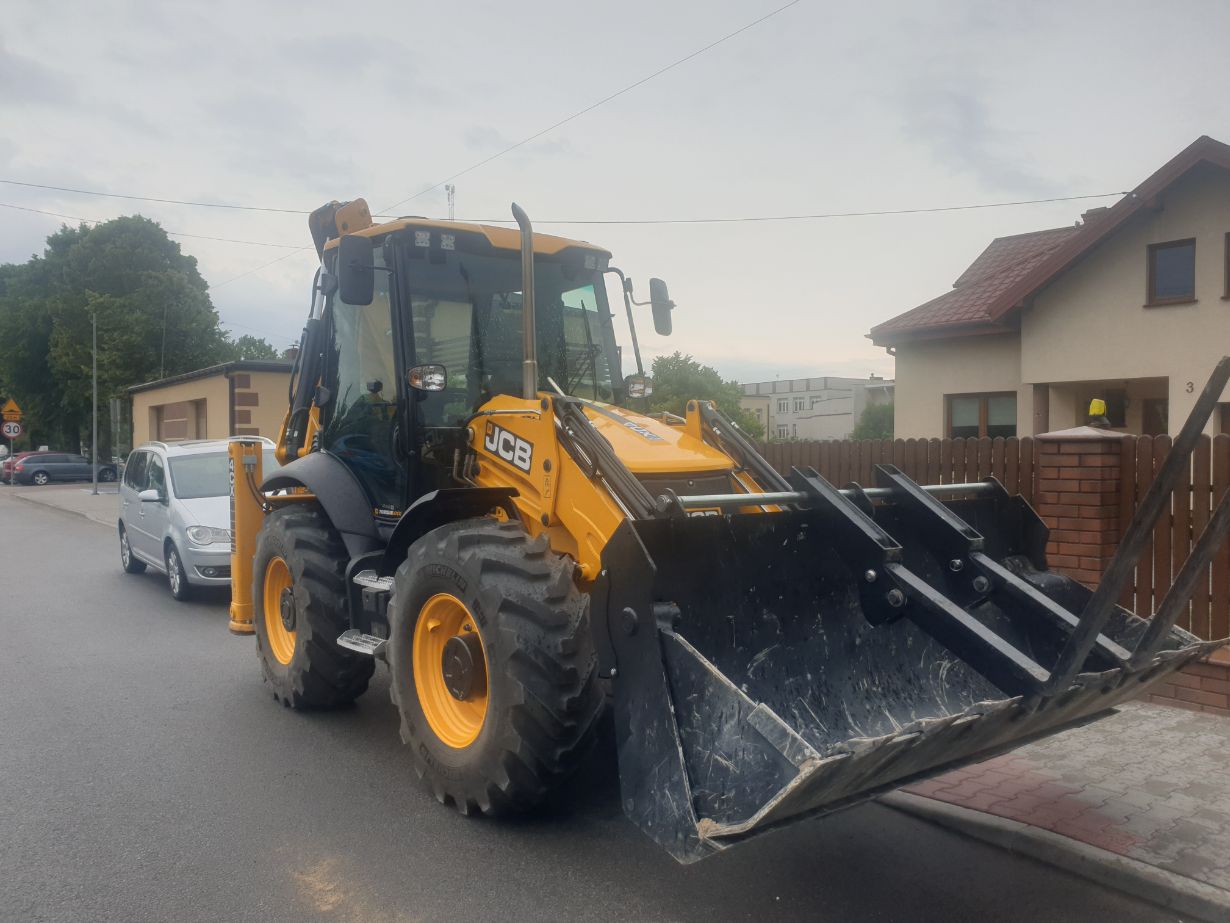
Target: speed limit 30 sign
point(10, 429)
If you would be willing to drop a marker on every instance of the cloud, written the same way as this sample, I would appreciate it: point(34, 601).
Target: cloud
point(24, 82)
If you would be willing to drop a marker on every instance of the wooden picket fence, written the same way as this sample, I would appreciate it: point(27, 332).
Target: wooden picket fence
point(928, 461)
point(1015, 462)
point(1192, 503)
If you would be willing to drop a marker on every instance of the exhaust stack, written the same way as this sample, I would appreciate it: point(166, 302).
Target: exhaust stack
point(529, 366)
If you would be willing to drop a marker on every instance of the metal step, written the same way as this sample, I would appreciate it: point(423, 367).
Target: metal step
point(355, 640)
point(369, 579)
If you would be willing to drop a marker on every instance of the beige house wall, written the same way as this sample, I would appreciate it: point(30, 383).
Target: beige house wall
point(259, 407)
point(214, 391)
point(1091, 323)
point(268, 414)
point(928, 370)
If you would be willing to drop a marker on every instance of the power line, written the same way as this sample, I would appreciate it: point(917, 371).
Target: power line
point(142, 198)
point(226, 240)
point(279, 336)
point(593, 106)
point(751, 218)
point(256, 269)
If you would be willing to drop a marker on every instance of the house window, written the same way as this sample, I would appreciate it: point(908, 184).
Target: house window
point(972, 415)
point(759, 413)
point(783, 405)
point(1155, 416)
point(794, 429)
point(1172, 272)
point(783, 432)
point(1116, 407)
point(798, 404)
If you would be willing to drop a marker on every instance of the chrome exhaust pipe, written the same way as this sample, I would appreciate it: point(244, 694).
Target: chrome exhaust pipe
point(529, 366)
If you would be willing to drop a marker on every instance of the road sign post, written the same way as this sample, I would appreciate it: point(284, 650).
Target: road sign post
point(11, 430)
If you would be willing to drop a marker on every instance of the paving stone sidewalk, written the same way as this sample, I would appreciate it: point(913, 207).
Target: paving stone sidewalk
point(1151, 783)
point(71, 498)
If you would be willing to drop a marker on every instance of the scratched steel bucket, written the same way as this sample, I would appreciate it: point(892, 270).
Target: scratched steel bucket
point(763, 690)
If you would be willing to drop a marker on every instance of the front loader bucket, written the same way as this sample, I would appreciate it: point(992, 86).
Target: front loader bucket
point(780, 664)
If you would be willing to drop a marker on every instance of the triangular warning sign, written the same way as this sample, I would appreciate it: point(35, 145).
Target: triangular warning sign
point(10, 406)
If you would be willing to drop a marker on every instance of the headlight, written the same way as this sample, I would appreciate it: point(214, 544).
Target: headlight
point(204, 535)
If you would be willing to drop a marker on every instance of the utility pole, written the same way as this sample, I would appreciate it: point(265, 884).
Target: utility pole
point(452, 196)
point(94, 438)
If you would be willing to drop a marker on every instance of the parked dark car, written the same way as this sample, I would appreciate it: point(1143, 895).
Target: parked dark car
point(44, 467)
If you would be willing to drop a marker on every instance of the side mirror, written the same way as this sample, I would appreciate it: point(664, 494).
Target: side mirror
point(149, 496)
point(638, 386)
point(660, 299)
point(355, 273)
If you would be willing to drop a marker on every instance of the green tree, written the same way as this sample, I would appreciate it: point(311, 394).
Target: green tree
point(678, 378)
point(250, 347)
point(155, 318)
point(875, 422)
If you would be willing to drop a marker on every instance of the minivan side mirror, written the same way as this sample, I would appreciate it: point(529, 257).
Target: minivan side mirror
point(660, 299)
point(149, 495)
point(355, 269)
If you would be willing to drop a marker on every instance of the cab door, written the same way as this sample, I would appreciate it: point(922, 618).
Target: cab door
point(360, 425)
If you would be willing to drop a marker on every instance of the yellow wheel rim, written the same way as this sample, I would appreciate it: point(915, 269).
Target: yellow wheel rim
point(281, 638)
point(457, 722)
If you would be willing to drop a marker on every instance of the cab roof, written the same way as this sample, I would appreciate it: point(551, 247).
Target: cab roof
point(498, 237)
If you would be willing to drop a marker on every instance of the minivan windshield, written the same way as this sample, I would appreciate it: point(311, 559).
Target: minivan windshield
point(207, 475)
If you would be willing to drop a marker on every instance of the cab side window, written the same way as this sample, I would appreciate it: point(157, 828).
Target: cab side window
point(135, 472)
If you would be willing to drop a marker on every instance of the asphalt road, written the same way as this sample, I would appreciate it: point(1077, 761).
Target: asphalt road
point(146, 775)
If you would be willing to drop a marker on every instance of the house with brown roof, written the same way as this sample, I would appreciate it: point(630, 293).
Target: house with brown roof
point(1131, 305)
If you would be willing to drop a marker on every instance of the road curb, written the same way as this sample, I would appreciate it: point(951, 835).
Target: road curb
point(1185, 896)
point(62, 509)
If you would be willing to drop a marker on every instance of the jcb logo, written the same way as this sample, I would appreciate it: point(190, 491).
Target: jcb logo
point(512, 448)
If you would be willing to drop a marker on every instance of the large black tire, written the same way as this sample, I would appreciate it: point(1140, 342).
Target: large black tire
point(319, 674)
point(544, 698)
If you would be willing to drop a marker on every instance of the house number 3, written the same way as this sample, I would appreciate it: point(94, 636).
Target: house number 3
point(1190, 387)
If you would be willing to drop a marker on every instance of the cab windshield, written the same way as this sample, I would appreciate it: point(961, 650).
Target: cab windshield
point(466, 313)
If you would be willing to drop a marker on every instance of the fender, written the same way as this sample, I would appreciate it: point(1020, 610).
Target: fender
point(439, 508)
point(339, 493)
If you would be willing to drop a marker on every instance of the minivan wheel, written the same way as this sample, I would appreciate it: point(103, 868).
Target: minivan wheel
point(131, 564)
point(177, 577)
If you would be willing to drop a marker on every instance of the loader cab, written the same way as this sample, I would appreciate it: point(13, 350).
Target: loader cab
point(449, 297)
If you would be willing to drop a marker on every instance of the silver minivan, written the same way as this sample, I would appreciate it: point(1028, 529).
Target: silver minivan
point(175, 512)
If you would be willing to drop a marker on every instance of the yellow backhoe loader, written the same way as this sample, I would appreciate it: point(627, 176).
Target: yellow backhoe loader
point(467, 494)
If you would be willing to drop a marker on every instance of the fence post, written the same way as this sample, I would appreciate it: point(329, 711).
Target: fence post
point(1078, 498)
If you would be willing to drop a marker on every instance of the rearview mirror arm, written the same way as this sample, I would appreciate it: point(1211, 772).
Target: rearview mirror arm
point(625, 286)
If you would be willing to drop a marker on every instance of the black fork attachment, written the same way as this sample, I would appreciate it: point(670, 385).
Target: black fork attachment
point(770, 666)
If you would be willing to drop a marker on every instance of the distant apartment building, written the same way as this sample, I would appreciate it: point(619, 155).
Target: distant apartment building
point(813, 408)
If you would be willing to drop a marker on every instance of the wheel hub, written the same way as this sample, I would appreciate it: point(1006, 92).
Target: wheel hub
point(286, 603)
point(463, 666)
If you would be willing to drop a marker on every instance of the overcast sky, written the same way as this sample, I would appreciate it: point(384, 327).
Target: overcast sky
point(825, 107)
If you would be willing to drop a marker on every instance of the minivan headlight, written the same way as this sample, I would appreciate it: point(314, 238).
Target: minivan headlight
point(204, 535)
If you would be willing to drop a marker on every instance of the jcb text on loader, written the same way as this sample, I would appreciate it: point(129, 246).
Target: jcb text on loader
point(468, 495)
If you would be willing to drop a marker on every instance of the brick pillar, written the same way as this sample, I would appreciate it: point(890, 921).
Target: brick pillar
point(1078, 497)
